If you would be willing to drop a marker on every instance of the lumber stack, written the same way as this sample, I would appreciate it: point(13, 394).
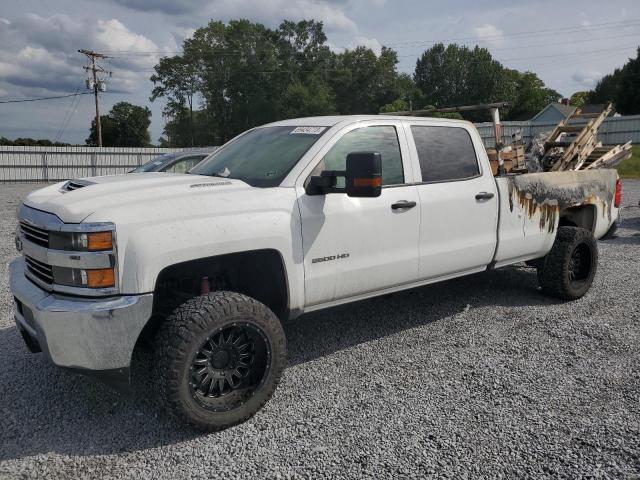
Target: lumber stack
point(573, 144)
point(512, 156)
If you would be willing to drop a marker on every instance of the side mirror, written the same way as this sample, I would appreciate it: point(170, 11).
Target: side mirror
point(363, 176)
point(320, 185)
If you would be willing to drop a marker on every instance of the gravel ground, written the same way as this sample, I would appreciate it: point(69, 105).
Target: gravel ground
point(479, 376)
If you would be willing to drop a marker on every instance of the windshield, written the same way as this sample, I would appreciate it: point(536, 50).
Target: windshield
point(152, 165)
point(261, 157)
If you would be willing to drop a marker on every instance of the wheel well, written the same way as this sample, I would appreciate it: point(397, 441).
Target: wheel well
point(259, 274)
point(583, 216)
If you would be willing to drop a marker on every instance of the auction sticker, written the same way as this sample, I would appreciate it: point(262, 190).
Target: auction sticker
point(308, 130)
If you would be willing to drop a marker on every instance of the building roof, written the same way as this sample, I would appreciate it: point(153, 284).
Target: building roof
point(564, 110)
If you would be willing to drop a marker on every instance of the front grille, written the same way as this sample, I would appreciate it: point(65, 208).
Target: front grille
point(34, 234)
point(41, 271)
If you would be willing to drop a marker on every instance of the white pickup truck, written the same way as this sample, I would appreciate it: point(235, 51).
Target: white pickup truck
point(287, 218)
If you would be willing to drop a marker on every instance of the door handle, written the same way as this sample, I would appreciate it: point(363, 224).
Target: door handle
point(484, 196)
point(403, 205)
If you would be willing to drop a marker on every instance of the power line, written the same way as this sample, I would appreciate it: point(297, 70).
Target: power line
point(569, 54)
point(534, 33)
point(46, 98)
point(68, 115)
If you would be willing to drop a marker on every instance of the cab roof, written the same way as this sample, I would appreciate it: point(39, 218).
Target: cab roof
point(331, 120)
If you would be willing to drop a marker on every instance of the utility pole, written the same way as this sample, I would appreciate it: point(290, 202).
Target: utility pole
point(95, 68)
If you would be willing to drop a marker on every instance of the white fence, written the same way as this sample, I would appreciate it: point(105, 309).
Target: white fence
point(613, 131)
point(49, 164)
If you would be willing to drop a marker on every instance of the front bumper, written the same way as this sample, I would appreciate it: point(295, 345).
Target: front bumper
point(92, 335)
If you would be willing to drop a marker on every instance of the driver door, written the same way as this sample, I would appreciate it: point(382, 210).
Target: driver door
point(356, 246)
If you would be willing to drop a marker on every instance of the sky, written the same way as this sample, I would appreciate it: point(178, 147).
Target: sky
point(569, 44)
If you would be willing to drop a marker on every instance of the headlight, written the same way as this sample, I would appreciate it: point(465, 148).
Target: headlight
point(100, 278)
point(82, 242)
point(98, 241)
point(85, 278)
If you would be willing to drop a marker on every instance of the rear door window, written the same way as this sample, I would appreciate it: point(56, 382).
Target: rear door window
point(445, 153)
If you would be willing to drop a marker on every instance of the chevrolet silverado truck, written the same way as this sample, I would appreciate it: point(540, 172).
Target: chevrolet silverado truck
point(287, 218)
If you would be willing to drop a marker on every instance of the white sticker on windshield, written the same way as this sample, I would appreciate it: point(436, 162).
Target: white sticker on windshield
point(308, 130)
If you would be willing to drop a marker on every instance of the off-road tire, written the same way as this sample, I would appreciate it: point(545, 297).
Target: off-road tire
point(181, 337)
point(555, 272)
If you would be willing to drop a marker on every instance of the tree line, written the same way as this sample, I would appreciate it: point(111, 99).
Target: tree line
point(231, 77)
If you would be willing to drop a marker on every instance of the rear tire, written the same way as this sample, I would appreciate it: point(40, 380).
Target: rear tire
point(220, 357)
point(568, 270)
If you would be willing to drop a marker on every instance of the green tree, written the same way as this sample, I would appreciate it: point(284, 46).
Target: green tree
point(363, 81)
point(235, 76)
point(622, 87)
point(458, 75)
point(527, 95)
point(242, 74)
point(398, 105)
point(176, 78)
point(303, 99)
point(126, 125)
point(185, 128)
point(579, 99)
point(31, 142)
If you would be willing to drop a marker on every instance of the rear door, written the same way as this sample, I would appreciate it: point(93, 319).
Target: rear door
point(355, 246)
point(459, 204)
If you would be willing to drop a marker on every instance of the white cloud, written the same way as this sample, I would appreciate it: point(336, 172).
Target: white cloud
point(587, 78)
point(41, 53)
point(113, 35)
point(270, 12)
point(584, 20)
point(489, 34)
point(371, 43)
point(274, 11)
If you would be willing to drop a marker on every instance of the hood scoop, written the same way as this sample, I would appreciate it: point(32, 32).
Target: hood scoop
point(72, 185)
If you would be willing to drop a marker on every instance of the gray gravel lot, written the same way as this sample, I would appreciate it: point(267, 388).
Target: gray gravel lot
point(479, 376)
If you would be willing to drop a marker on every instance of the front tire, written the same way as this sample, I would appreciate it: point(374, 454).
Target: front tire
point(568, 270)
point(220, 357)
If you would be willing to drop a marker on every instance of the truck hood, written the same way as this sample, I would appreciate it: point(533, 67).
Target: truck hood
point(115, 192)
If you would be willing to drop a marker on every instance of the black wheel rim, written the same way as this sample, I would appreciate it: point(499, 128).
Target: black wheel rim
point(580, 265)
point(229, 367)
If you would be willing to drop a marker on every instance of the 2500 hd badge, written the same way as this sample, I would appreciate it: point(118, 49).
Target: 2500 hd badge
point(328, 259)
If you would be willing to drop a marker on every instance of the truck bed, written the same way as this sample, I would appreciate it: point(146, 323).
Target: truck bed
point(533, 204)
